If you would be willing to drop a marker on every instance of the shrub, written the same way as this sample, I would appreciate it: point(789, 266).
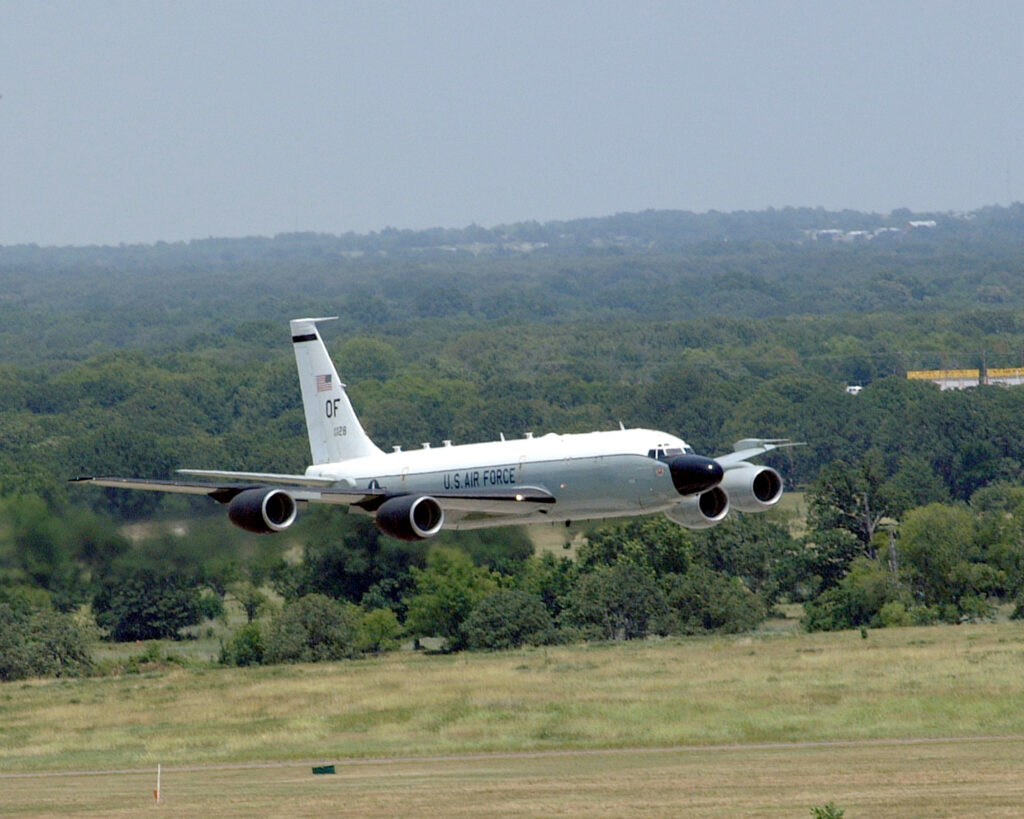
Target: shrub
point(41, 644)
point(508, 618)
point(313, 629)
point(856, 601)
point(827, 811)
point(146, 606)
point(618, 602)
point(211, 605)
point(378, 631)
point(445, 593)
point(894, 614)
point(245, 646)
point(706, 600)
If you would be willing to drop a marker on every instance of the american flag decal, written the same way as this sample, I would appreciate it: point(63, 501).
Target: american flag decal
point(323, 383)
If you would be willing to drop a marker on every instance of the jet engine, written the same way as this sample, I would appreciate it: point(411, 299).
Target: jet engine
point(262, 510)
point(700, 511)
point(410, 517)
point(693, 474)
point(752, 488)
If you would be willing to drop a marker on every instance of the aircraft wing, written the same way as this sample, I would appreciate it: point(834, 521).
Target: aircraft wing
point(750, 448)
point(496, 500)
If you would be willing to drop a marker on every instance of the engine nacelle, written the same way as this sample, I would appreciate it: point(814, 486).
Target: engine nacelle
point(701, 511)
point(410, 517)
point(262, 510)
point(752, 488)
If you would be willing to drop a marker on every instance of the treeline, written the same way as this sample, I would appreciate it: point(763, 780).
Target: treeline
point(67, 304)
point(235, 403)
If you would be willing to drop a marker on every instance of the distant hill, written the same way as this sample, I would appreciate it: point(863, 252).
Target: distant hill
point(653, 231)
point(656, 265)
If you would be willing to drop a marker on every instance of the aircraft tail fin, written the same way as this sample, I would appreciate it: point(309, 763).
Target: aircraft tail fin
point(335, 433)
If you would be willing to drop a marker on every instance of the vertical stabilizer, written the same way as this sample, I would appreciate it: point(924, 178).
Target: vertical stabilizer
point(335, 433)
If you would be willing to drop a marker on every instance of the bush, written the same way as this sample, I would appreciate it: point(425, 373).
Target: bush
point(245, 647)
point(705, 600)
point(444, 595)
point(313, 629)
point(827, 811)
point(211, 605)
point(146, 606)
point(619, 602)
point(508, 619)
point(894, 614)
point(41, 644)
point(856, 601)
point(378, 631)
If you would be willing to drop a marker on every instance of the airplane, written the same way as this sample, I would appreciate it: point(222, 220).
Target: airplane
point(414, 494)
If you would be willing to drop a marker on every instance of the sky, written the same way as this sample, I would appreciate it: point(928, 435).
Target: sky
point(143, 121)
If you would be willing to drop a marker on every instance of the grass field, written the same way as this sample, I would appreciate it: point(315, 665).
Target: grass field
point(711, 726)
point(968, 778)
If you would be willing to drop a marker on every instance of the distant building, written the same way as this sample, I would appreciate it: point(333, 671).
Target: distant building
point(961, 379)
point(853, 389)
point(948, 379)
point(1007, 376)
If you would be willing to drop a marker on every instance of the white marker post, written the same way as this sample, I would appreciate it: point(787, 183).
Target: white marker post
point(156, 793)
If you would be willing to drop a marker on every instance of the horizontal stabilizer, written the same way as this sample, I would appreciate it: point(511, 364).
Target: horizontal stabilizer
point(751, 447)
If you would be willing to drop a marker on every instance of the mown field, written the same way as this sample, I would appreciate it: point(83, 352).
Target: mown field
point(756, 725)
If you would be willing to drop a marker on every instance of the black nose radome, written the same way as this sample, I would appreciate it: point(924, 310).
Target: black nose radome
point(693, 474)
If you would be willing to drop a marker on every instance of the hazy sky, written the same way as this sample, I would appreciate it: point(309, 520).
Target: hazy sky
point(142, 121)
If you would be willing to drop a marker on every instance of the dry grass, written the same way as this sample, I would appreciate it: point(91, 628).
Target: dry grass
point(877, 779)
point(920, 683)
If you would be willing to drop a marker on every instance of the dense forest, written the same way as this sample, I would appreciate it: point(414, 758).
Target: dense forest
point(137, 360)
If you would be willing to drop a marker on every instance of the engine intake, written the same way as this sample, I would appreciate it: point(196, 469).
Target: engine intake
point(410, 517)
point(701, 511)
point(752, 488)
point(262, 510)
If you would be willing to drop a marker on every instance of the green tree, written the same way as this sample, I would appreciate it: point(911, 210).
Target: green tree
point(41, 643)
point(251, 599)
point(851, 497)
point(941, 561)
point(551, 578)
point(660, 545)
point(444, 594)
point(146, 605)
point(313, 629)
point(245, 646)
point(508, 618)
point(706, 600)
point(618, 602)
point(39, 550)
point(856, 600)
point(346, 557)
point(760, 551)
point(379, 631)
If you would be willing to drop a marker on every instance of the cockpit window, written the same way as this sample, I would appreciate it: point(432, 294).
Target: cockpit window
point(664, 453)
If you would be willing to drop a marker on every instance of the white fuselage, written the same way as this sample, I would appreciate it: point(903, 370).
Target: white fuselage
point(590, 475)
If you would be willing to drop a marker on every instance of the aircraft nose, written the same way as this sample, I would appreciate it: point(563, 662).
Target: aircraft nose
point(693, 474)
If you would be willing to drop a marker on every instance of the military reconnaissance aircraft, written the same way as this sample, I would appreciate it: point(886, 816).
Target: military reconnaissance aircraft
point(414, 494)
